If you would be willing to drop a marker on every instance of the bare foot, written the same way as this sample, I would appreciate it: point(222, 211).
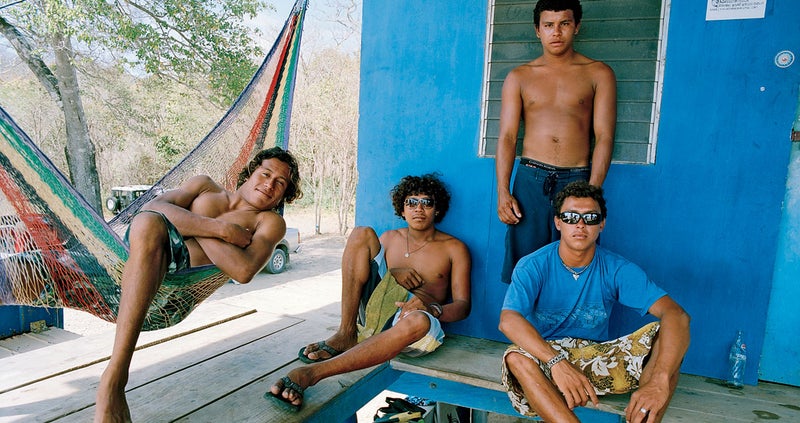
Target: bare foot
point(111, 405)
point(339, 342)
point(111, 409)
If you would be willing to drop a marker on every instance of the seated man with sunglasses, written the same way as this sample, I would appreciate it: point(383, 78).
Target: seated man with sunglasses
point(556, 312)
point(394, 290)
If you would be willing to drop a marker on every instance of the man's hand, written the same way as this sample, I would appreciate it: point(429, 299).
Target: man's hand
point(237, 235)
point(508, 209)
point(648, 402)
point(407, 277)
point(413, 304)
point(573, 384)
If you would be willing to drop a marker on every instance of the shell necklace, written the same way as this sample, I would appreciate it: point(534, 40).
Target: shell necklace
point(575, 274)
point(408, 253)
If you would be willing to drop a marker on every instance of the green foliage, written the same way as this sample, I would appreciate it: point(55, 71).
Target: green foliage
point(141, 127)
point(177, 39)
point(169, 148)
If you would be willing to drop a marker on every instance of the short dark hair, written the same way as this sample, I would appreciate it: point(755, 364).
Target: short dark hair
point(580, 189)
point(557, 6)
point(293, 191)
point(428, 184)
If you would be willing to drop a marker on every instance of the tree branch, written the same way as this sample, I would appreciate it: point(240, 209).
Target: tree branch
point(32, 59)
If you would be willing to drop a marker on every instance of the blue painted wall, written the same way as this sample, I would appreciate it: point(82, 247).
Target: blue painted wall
point(17, 319)
point(783, 321)
point(702, 221)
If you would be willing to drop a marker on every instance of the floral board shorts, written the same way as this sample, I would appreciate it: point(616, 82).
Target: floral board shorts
point(613, 367)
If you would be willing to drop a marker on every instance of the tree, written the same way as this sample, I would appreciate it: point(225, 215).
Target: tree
point(172, 39)
point(325, 131)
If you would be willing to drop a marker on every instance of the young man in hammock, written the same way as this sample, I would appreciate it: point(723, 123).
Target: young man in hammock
point(197, 224)
point(399, 310)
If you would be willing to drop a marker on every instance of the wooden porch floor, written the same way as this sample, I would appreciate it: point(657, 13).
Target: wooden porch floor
point(216, 365)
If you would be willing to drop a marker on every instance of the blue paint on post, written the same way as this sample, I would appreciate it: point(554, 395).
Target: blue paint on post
point(476, 398)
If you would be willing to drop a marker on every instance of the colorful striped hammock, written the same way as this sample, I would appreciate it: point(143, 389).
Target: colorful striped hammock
point(57, 251)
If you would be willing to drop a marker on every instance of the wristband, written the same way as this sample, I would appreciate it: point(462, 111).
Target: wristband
point(553, 361)
point(435, 309)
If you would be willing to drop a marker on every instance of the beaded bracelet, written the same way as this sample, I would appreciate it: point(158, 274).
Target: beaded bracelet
point(558, 357)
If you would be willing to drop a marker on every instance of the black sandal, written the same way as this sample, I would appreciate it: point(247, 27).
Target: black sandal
point(398, 408)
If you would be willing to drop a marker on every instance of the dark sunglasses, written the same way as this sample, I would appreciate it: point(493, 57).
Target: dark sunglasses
point(427, 203)
point(572, 218)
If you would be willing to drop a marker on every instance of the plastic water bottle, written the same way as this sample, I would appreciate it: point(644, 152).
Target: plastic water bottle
point(738, 359)
point(796, 124)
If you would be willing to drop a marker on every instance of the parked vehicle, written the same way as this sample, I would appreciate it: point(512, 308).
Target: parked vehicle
point(280, 257)
point(124, 195)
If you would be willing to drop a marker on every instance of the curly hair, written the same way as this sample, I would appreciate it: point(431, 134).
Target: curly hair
point(428, 184)
point(580, 189)
point(293, 191)
point(557, 6)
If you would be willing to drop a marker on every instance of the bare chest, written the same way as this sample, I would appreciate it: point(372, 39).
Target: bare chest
point(217, 206)
point(566, 91)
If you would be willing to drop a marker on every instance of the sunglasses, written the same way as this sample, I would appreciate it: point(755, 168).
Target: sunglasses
point(572, 218)
point(427, 203)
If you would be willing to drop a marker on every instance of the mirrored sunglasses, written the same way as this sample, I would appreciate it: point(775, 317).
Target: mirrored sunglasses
point(572, 218)
point(427, 203)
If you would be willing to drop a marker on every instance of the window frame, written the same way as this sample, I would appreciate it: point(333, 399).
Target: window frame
point(659, 61)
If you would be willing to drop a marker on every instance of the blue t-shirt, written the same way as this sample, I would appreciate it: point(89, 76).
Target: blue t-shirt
point(558, 306)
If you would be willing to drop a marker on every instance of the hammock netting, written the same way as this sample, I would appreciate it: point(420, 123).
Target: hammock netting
point(57, 251)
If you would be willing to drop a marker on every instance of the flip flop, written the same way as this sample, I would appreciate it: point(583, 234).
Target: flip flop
point(321, 345)
point(286, 403)
point(398, 410)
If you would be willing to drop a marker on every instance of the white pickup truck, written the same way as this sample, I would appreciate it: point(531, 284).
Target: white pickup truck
point(280, 257)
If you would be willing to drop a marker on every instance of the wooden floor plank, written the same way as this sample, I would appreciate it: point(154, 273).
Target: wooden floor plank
point(75, 390)
point(22, 369)
point(484, 355)
point(179, 393)
point(764, 391)
point(32, 341)
point(249, 405)
point(5, 353)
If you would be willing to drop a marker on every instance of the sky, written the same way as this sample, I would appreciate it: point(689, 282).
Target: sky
point(320, 29)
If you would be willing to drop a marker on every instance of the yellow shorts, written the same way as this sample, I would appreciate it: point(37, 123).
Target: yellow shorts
point(613, 367)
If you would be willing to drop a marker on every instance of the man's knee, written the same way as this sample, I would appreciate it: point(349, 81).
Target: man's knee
point(516, 361)
point(364, 236)
point(414, 326)
point(148, 227)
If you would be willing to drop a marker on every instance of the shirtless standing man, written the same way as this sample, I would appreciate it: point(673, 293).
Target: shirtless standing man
point(196, 224)
point(564, 98)
point(425, 267)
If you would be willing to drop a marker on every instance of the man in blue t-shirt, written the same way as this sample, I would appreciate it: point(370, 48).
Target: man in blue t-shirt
point(556, 312)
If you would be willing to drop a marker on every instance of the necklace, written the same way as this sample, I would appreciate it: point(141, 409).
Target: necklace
point(408, 253)
point(575, 274)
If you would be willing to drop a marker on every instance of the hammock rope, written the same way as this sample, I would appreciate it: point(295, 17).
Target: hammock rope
point(57, 251)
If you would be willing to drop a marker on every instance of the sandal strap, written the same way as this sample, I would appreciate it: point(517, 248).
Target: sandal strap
point(289, 384)
point(327, 348)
